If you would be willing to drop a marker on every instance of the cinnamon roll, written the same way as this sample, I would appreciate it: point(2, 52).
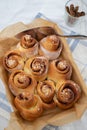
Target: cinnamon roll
point(59, 69)
point(67, 94)
point(19, 82)
point(46, 90)
point(37, 66)
point(29, 106)
point(13, 60)
point(28, 46)
point(51, 46)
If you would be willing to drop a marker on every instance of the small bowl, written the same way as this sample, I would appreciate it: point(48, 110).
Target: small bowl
point(71, 20)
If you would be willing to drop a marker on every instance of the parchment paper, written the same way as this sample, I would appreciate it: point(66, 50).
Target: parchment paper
point(56, 116)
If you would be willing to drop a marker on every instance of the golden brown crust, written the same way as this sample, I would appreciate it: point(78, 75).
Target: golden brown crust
point(59, 69)
point(67, 93)
point(54, 86)
point(28, 46)
point(37, 66)
point(48, 106)
point(29, 106)
point(46, 91)
point(19, 82)
point(51, 46)
point(13, 60)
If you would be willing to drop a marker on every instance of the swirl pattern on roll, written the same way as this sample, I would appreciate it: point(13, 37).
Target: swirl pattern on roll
point(37, 66)
point(13, 60)
point(51, 46)
point(29, 105)
point(46, 91)
point(67, 93)
point(19, 82)
point(59, 69)
point(28, 46)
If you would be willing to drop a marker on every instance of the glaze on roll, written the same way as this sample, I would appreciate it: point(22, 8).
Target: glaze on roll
point(46, 91)
point(13, 60)
point(67, 93)
point(28, 46)
point(19, 82)
point(37, 67)
point(59, 69)
point(51, 46)
point(29, 106)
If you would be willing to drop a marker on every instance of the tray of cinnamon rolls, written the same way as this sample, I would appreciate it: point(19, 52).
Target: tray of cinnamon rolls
point(40, 74)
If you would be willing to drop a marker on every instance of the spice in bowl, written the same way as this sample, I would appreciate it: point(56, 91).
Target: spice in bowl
point(73, 13)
